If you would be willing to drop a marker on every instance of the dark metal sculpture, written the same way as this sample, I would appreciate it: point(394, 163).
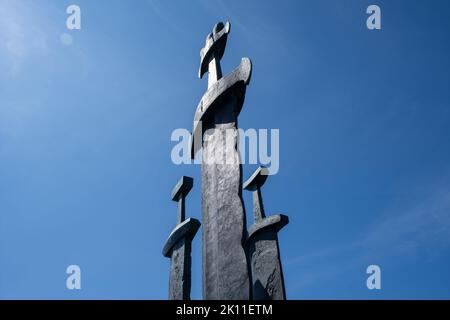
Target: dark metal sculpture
point(178, 245)
point(227, 246)
point(225, 267)
point(264, 252)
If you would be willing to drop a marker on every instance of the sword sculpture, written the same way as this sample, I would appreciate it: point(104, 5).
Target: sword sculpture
point(264, 252)
point(225, 266)
point(178, 245)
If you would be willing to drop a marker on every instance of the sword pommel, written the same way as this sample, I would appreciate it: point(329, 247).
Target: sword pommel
point(214, 46)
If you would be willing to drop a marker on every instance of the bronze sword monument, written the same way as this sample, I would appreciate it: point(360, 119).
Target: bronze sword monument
point(237, 265)
point(263, 248)
point(225, 266)
point(178, 245)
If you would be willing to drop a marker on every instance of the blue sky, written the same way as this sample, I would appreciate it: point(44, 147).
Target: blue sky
point(364, 120)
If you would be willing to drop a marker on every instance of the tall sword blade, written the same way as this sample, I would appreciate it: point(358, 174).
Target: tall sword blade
point(225, 267)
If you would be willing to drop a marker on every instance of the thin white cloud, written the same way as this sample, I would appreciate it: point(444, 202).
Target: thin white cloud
point(423, 223)
point(21, 35)
point(165, 16)
point(414, 226)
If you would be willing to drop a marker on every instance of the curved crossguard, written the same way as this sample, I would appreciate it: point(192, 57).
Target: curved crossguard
point(178, 245)
point(219, 88)
point(262, 242)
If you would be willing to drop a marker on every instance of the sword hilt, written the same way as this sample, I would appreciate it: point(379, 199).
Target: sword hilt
point(254, 183)
point(179, 193)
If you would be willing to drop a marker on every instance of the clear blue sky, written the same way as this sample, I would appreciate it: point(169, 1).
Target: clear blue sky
point(364, 119)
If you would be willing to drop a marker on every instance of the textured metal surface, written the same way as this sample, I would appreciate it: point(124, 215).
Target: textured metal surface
point(224, 259)
point(225, 267)
point(180, 271)
point(267, 273)
point(274, 223)
point(178, 245)
point(187, 229)
point(263, 249)
point(233, 84)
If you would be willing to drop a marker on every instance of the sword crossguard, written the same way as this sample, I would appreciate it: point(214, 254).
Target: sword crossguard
point(182, 188)
point(257, 180)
